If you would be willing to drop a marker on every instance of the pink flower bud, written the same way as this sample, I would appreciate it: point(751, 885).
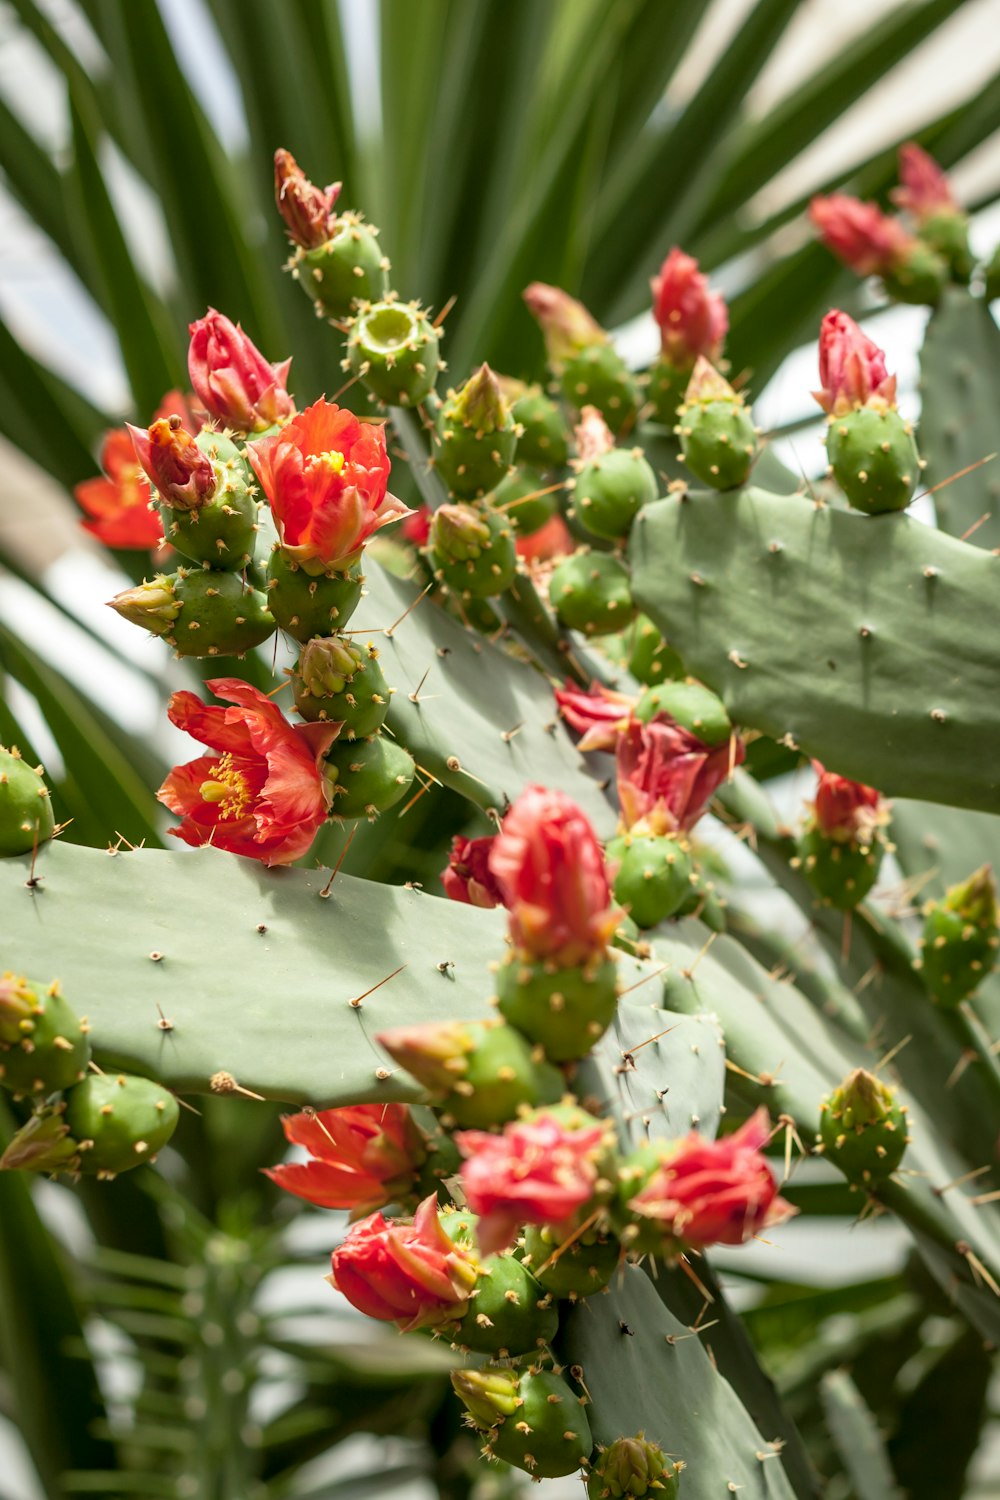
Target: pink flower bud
point(851, 368)
point(550, 868)
point(593, 436)
point(175, 465)
point(567, 326)
point(692, 319)
point(924, 189)
point(860, 234)
point(713, 1192)
point(306, 209)
point(600, 716)
point(667, 776)
point(468, 877)
point(232, 379)
point(411, 1274)
point(844, 809)
point(360, 1157)
point(536, 1172)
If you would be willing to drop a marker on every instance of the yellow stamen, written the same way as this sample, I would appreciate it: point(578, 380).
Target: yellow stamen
point(331, 460)
point(228, 787)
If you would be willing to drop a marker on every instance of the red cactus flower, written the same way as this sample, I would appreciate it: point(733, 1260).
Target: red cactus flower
point(406, 1273)
point(846, 810)
point(860, 234)
point(306, 209)
point(417, 526)
point(232, 379)
point(599, 716)
point(536, 1172)
point(360, 1157)
point(851, 367)
point(667, 776)
point(692, 319)
point(714, 1192)
point(262, 794)
point(468, 877)
point(173, 462)
point(550, 869)
point(548, 543)
point(325, 475)
point(118, 505)
point(924, 189)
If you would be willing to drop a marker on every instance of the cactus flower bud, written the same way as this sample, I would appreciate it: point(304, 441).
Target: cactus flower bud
point(361, 1157)
point(632, 1467)
point(567, 327)
point(153, 605)
point(481, 1073)
point(960, 939)
point(476, 436)
point(411, 1274)
point(667, 775)
point(539, 1171)
point(692, 319)
point(590, 370)
point(473, 550)
point(599, 716)
point(468, 876)
point(718, 438)
point(842, 845)
point(488, 1395)
point(549, 866)
point(306, 209)
point(700, 1193)
point(181, 473)
point(845, 809)
point(863, 1128)
point(43, 1144)
point(924, 189)
point(871, 243)
point(325, 475)
point(851, 367)
point(232, 379)
point(119, 505)
point(533, 1418)
point(261, 794)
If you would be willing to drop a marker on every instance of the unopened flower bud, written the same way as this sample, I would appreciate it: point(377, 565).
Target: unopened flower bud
point(176, 467)
point(43, 1144)
point(459, 533)
point(489, 1395)
point(632, 1467)
point(153, 605)
point(233, 380)
point(306, 209)
point(327, 663)
point(567, 327)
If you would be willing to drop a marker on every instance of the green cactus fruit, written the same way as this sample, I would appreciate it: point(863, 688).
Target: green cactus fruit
point(342, 683)
point(959, 942)
point(690, 705)
point(563, 1011)
point(919, 278)
point(590, 593)
point(43, 1043)
point(475, 437)
point(609, 492)
point(704, 902)
point(874, 458)
point(665, 390)
point(577, 1268)
point(346, 269)
point(119, 1121)
point(473, 550)
point(598, 376)
point(840, 871)
point(393, 348)
point(654, 876)
point(502, 1075)
point(510, 1313)
point(632, 1467)
point(948, 235)
point(718, 439)
point(522, 499)
point(219, 614)
point(544, 440)
point(367, 777)
point(222, 532)
point(651, 659)
point(26, 817)
point(307, 599)
point(862, 1128)
point(549, 1434)
point(43, 1144)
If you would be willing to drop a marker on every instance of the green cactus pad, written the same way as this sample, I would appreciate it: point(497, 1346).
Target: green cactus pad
point(368, 776)
point(959, 943)
point(480, 565)
point(598, 376)
point(609, 492)
point(840, 871)
point(358, 699)
point(584, 1266)
point(690, 705)
point(544, 440)
point(549, 1434)
point(654, 876)
point(43, 1043)
point(874, 458)
point(394, 350)
point(590, 593)
point(219, 614)
point(518, 497)
point(26, 817)
point(665, 390)
point(564, 1011)
point(119, 1121)
point(307, 599)
point(632, 1467)
point(349, 268)
point(718, 442)
point(862, 1128)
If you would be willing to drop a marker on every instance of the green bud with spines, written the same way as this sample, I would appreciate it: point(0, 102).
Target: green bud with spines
point(653, 880)
point(693, 707)
point(718, 439)
point(632, 1467)
point(473, 550)
point(863, 1128)
point(611, 484)
point(534, 1419)
point(119, 1121)
point(579, 1267)
point(43, 1043)
point(200, 612)
point(308, 599)
point(522, 499)
point(221, 532)
point(840, 871)
point(598, 376)
point(339, 682)
point(565, 1011)
point(544, 439)
point(665, 389)
point(346, 269)
point(947, 234)
point(919, 277)
point(475, 438)
point(873, 457)
point(590, 593)
point(959, 943)
point(43, 1144)
point(26, 817)
point(510, 1313)
point(393, 349)
point(367, 777)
